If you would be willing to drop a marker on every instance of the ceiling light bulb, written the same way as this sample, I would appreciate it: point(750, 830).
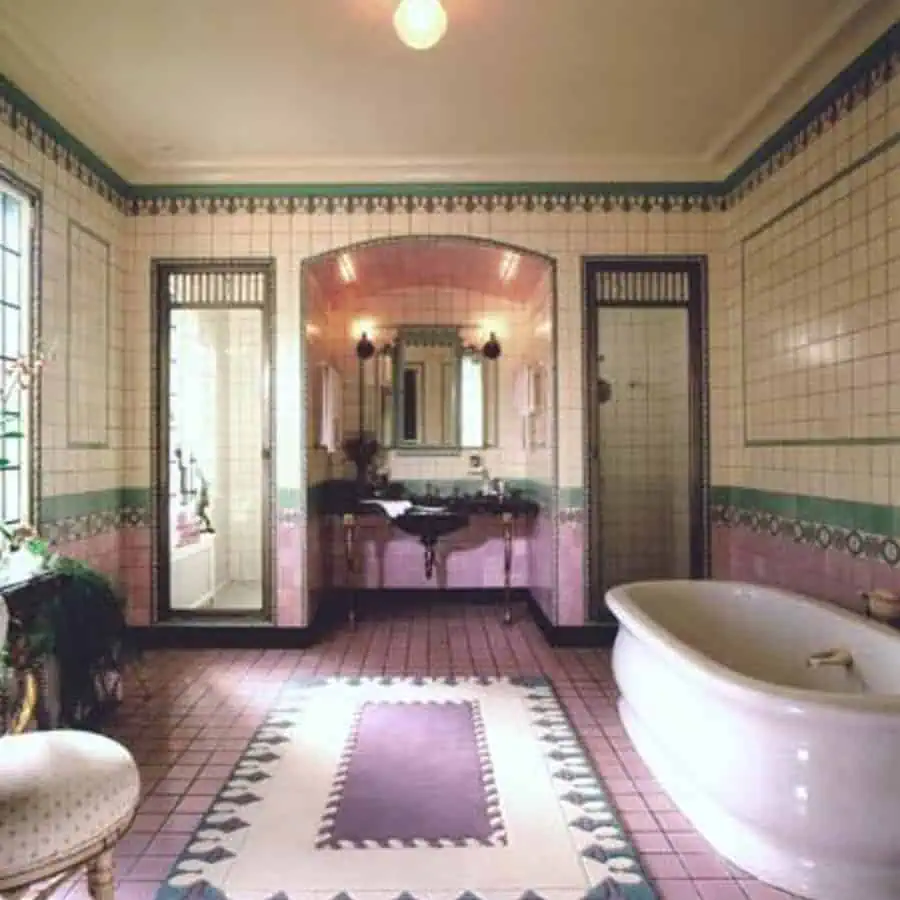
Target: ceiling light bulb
point(346, 268)
point(420, 24)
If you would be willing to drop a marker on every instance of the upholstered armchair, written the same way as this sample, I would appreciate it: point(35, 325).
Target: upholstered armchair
point(66, 797)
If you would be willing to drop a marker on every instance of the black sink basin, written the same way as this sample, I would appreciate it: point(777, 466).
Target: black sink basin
point(430, 524)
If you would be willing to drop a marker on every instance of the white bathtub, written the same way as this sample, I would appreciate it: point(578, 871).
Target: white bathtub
point(791, 772)
point(193, 573)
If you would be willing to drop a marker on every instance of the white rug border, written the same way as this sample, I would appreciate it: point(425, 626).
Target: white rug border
point(609, 863)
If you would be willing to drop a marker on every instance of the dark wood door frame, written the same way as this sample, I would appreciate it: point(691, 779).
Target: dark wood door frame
point(161, 538)
point(695, 268)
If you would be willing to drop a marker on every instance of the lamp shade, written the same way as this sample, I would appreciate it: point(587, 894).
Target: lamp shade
point(420, 24)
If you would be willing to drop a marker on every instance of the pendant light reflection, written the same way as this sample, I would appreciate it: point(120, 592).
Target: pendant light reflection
point(420, 24)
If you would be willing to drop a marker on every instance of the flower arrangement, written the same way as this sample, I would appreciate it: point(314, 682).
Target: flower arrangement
point(18, 376)
point(50, 604)
point(363, 451)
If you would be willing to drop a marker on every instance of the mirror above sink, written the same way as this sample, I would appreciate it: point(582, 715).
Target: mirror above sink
point(432, 393)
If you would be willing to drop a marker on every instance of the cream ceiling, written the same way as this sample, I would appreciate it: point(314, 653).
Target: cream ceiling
point(322, 90)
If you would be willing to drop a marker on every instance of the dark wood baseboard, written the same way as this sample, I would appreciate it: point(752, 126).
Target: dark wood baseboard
point(596, 634)
point(332, 612)
point(216, 636)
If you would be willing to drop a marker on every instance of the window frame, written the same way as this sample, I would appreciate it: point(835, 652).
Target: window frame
point(29, 468)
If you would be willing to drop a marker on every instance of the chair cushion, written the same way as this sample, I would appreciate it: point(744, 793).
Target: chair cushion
point(61, 793)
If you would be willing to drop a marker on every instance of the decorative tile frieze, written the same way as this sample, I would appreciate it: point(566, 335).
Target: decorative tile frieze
point(75, 517)
point(853, 541)
point(299, 200)
point(854, 85)
point(28, 120)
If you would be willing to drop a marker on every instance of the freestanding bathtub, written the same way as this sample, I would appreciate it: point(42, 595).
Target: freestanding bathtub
point(790, 771)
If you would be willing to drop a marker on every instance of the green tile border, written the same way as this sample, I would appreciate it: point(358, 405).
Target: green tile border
point(877, 63)
point(864, 531)
point(872, 518)
point(55, 508)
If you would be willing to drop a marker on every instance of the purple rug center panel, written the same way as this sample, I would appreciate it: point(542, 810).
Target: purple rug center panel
point(416, 772)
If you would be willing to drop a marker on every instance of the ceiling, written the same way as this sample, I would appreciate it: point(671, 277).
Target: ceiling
point(215, 91)
point(383, 266)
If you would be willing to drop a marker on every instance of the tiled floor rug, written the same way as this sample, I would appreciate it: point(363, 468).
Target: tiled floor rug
point(412, 788)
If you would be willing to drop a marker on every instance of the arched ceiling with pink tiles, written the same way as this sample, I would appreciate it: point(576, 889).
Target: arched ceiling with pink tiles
point(380, 267)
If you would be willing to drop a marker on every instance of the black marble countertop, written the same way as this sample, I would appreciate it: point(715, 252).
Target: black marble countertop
point(352, 500)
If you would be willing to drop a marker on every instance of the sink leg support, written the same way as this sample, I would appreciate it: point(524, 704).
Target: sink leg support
point(349, 528)
point(507, 523)
point(429, 559)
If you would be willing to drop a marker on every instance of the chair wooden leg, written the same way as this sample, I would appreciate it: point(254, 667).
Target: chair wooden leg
point(100, 876)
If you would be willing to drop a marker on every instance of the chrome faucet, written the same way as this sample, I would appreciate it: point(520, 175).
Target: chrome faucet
point(834, 657)
point(477, 467)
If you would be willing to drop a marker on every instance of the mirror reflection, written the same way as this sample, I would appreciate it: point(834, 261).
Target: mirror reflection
point(431, 391)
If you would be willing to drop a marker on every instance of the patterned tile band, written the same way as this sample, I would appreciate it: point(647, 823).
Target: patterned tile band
point(862, 530)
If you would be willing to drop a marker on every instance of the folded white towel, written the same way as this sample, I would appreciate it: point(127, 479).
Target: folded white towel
point(392, 508)
point(523, 398)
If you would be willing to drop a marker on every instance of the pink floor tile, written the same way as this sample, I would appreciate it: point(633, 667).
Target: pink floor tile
point(206, 705)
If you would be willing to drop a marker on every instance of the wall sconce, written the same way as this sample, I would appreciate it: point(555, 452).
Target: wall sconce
point(365, 349)
point(491, 349)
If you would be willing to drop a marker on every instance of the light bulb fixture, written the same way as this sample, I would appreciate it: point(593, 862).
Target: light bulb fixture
point(346, 269)
point(509, 265)
point(420, 24)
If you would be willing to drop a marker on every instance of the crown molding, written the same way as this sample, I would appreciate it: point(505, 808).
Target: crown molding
point(418, 170)
point(25, 60)
point(436, 184)
point(822, 54)
point(877, 64)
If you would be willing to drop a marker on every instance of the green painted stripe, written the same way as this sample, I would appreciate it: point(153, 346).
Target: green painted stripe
point(289, 498)
point(873, 518)
point(135, 497)
point(73, 506)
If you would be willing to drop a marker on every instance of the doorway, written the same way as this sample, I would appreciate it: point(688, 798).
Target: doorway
point(647, 421)
point(214, 438)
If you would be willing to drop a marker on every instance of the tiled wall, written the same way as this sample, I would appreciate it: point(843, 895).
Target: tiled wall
point(671, 374)
point(540, 441)
point(289, 233)
point(644, 444)
point(806, 362)
point(85, 253)
point(321, 462)
point(242, 393)
point(290, 237)
point(804, 270)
